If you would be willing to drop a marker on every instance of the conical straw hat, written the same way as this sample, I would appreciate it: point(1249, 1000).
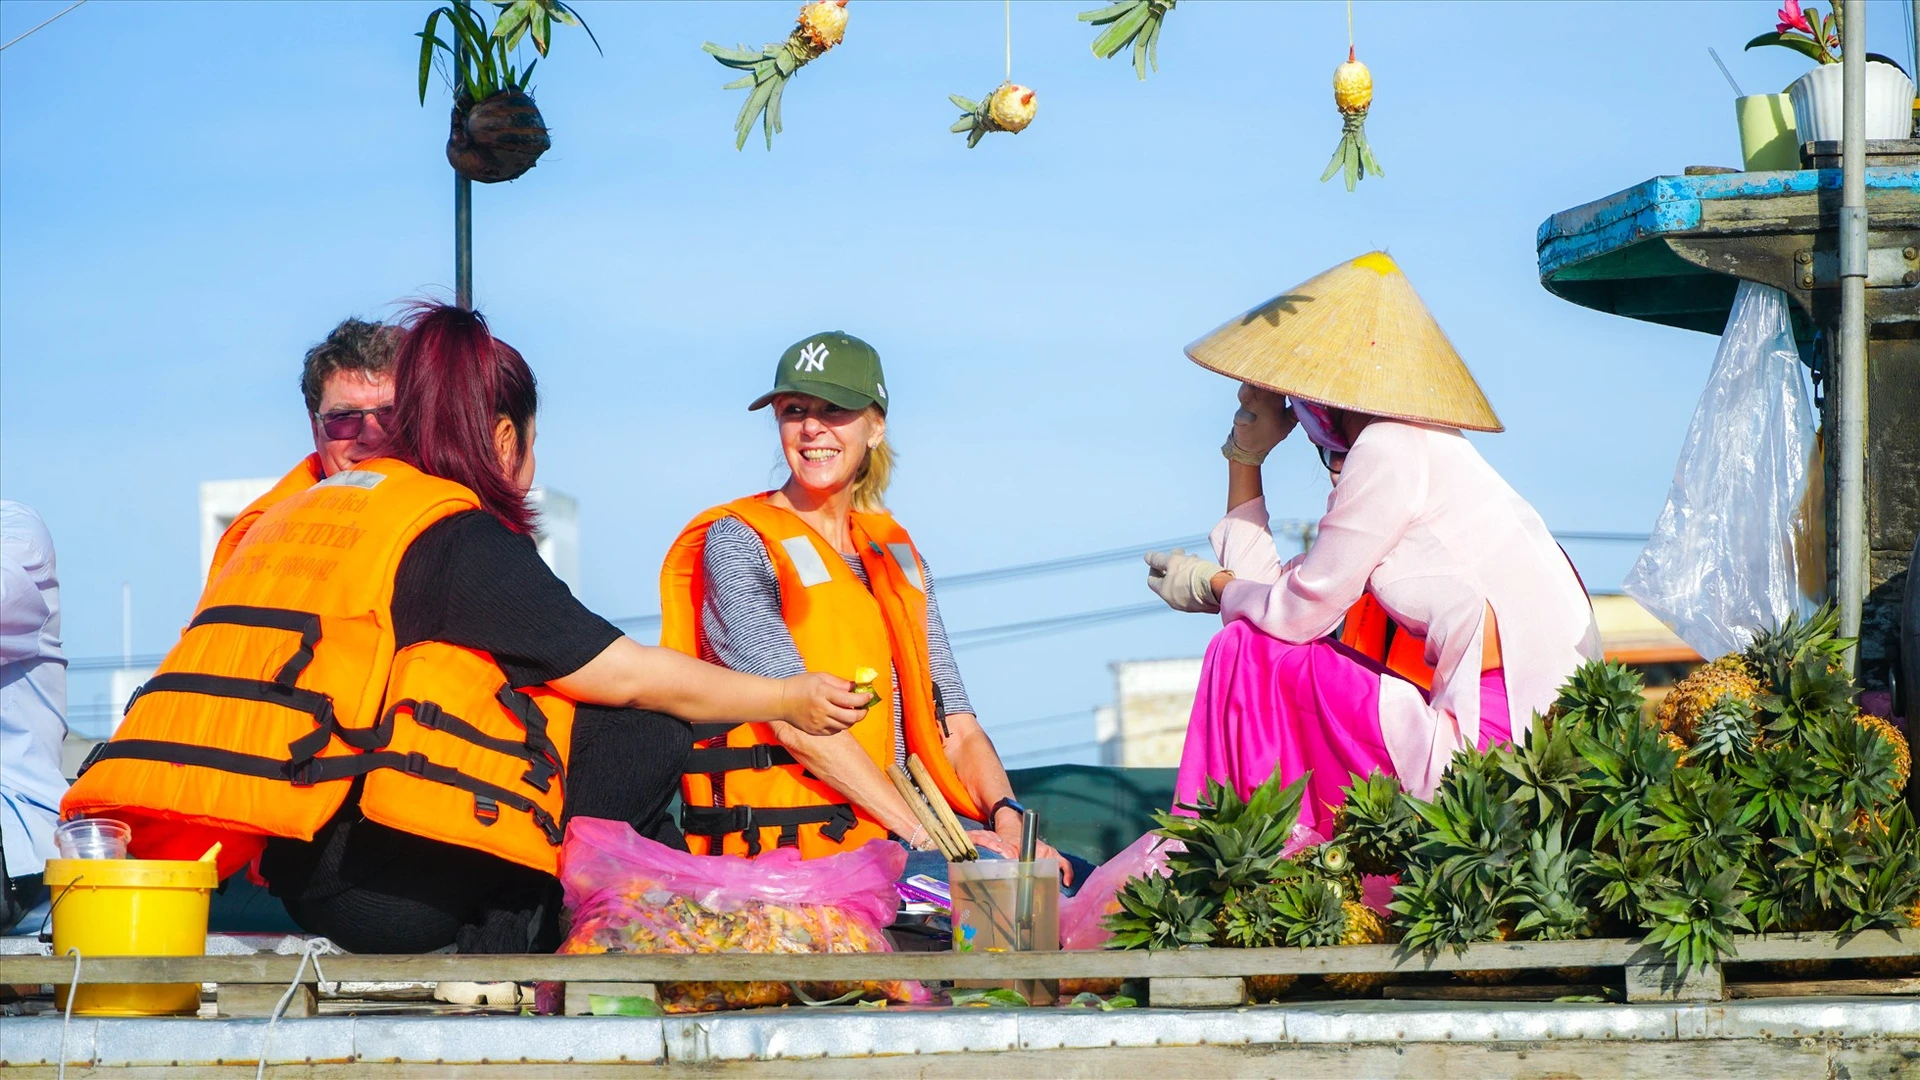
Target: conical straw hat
point(1356, 337)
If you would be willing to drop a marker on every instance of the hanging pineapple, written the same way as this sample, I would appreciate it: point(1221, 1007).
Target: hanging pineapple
point(821, 26)
point(1352, 94)
point(1009, 108)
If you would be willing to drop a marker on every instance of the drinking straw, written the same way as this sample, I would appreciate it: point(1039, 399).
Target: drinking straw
point(1029, 845)
point(1715, 53)
point(940, 808)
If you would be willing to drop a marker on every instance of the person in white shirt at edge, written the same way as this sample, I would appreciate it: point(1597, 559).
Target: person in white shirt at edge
point(33, 710)
point(1416, 518)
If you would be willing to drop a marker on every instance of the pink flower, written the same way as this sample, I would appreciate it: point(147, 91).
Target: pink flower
point(1792, 19)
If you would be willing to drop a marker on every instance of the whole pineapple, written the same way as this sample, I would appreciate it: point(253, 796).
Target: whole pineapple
point(1010, 108)
point(1353, 96)
point(1727, 678)
point(1319, 912)
point(822, 25)
point(1363, 927)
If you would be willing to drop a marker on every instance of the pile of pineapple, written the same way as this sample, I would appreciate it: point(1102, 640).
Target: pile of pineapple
point(1759, 799)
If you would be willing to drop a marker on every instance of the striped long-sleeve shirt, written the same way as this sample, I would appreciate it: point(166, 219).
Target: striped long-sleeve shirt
point(742, 629)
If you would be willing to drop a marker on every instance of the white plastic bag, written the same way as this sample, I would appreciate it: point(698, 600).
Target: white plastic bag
point(1726, 555)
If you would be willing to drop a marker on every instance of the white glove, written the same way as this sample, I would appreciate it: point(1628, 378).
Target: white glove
point(1183, 581)
point(1261, 422)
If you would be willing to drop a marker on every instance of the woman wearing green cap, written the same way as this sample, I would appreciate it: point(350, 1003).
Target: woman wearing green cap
point(818, 576)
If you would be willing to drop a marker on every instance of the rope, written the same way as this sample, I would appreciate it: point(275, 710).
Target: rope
point(1349, 25)
point(312, 950)
point(73, 991)
point(1009, 40)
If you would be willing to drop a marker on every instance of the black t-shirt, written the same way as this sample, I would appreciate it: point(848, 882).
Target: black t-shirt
point(471, 581)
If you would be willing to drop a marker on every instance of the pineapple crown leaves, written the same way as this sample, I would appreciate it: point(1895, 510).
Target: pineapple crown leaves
point(1600, 694)
point(1771, 653)
point(767, 71)
point(1771, 904)
point(1232, 843)
point(1130, 22)
point(1821, 860)
point(1814, 690)
point(1630, 877)
point(1625, 763)
point(1473, 823)
point(1693, 824)
point(1547, 770)
point(1435, 908)
point(1555, 892)
point(977, 119)
point(1890, 883)
point(1377, 823)
point(1692, 921)
point(1310, 913)
point(1853, 762)
point(1154, 914)
point(1726, 731)
point(1246, 918)
point(1777, 785)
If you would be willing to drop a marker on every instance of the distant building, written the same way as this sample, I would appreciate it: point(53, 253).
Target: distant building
point(1152, 699)
point(557, 534)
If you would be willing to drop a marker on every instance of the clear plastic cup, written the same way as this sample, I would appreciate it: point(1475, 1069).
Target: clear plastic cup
point(92, 838)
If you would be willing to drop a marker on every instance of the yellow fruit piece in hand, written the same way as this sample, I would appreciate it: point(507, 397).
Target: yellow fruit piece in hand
point(864, 676)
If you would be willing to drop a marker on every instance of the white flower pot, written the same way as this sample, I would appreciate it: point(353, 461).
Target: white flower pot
point(1816, 103)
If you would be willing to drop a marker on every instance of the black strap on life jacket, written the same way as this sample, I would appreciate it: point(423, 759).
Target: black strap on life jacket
point(546, 761)
point(723, 759)
point(718, 822)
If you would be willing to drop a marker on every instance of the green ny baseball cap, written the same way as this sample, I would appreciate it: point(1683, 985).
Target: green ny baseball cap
point(834, 366)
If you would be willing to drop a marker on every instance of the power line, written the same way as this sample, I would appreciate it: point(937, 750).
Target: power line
point(36, 29)
point(1003, 633)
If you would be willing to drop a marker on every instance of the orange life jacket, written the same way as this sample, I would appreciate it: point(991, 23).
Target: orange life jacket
point(300, 478)
point(1370, 631)
point(741, 786)
point(286, 688)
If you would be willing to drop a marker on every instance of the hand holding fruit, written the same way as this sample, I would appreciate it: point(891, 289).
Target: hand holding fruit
point(863, 680)
point(821, 704)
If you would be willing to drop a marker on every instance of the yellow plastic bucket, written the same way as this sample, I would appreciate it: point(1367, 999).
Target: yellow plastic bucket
point(130, 907)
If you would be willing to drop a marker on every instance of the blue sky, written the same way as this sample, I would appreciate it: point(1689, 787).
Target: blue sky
point(191, 194)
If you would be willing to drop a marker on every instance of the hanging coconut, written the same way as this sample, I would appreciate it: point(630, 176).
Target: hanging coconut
point(498, 139)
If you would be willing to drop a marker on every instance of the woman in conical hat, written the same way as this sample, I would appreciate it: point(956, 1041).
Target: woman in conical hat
point(1417, 521)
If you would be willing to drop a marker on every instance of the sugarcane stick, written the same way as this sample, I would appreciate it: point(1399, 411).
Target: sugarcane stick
point(940, 807)
point(923, 813)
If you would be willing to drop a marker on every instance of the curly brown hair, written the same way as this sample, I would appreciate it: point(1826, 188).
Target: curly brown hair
point(354, 345)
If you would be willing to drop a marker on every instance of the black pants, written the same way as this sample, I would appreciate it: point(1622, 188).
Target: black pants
point(374, 889)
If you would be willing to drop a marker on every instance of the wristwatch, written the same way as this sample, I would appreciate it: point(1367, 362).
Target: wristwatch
point(1008, 803)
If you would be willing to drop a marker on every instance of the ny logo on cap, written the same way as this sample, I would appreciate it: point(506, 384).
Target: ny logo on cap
point(812, 358)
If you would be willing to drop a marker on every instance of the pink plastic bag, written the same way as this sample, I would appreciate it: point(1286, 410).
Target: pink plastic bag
point(1083, 915)
point(625, 893)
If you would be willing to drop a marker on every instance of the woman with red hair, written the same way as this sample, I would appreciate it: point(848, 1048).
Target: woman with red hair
point(404, 768)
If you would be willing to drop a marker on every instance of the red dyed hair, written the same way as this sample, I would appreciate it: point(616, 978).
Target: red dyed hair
point(452, 382)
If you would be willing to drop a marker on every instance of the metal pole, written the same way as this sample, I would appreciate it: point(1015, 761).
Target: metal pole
point(1851, 382)
point(462, 209)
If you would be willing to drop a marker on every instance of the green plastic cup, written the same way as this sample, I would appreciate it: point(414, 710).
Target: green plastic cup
point(1768, 140)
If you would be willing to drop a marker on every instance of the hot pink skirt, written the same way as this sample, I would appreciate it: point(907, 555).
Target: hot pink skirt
point(1266, 705)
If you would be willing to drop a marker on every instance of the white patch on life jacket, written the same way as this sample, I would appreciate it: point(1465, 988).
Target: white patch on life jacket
point(360, 478)
point(806, 561)
point(903, 554)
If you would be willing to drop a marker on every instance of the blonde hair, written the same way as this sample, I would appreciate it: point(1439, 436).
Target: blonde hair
point(876, 472)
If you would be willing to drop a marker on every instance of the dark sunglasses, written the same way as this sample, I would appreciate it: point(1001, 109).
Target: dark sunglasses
point(347, 423)
point(1334, 460)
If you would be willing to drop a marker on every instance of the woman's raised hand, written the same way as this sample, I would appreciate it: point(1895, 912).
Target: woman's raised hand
point(1262, 421)
point(822, 704)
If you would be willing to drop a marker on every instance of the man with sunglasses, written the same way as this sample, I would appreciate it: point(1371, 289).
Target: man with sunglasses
point(347, 381)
